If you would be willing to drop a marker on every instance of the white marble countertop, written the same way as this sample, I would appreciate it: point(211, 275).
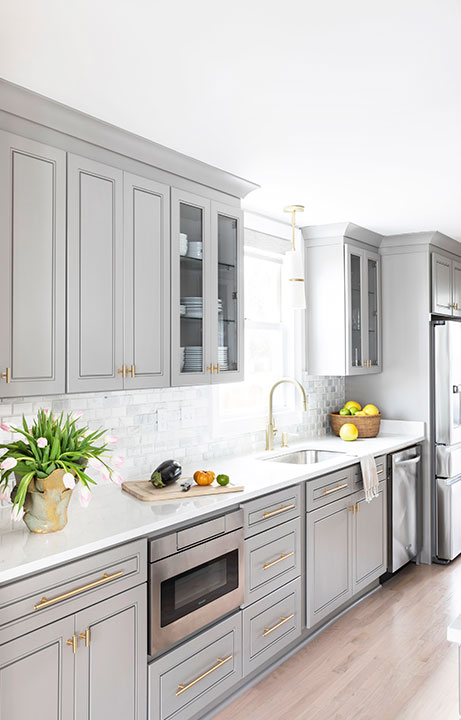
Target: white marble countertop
point(113, 517)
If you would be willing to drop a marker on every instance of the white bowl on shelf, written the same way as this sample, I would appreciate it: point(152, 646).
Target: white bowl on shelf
point(183, 244)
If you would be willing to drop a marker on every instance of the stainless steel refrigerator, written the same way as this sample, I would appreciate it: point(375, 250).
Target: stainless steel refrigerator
point(447, 437)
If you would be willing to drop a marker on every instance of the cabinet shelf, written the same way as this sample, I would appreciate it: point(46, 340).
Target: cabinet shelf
point(197, 263)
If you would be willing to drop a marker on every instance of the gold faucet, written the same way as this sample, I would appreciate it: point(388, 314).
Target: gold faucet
point(270, 428)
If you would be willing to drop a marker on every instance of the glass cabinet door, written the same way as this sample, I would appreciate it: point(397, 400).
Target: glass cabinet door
point(372, 311)
point(227, 353)
point(355, 272)
point(190, 298)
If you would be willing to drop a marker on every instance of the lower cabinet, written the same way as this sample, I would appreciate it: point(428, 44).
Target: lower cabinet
point(271, 624)
point(94, 661)
point(37, 674)
point(111, 659)
point(346, 551)
point(198, 673)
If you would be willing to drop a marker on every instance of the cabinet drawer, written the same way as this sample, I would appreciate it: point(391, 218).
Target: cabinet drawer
point(326, 489)
point(272, 559)
point(357, 472)
point(271, 510)
point(46, 597)
point(186, 680)
point(271, 624)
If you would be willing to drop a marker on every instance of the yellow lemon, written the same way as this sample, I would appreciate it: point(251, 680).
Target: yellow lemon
point(371, 410)
point(360, 413)
point(348, 432)
point(352, 403)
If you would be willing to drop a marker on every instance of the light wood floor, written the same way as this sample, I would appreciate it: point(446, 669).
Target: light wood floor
point(386, 659)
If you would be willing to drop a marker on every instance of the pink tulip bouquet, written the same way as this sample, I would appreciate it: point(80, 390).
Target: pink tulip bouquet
point(50, 444)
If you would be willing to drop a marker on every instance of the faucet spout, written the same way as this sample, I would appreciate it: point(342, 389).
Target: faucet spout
point(270, 429)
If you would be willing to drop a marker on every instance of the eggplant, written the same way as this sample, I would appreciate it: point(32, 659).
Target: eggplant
point(166, 473)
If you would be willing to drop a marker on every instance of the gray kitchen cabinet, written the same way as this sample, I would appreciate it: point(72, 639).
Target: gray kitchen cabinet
point(328, 559)
point(111, 660)
point(32, 258)
point(37, 674)
point(343, 286)
point(446, 285)
point(95, 276)
point(146, 354)
point(370, 538)
point(206, 290)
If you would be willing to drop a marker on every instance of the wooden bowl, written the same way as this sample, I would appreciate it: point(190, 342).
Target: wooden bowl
point(368, 426)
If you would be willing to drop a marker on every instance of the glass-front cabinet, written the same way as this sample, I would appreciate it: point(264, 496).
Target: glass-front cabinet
point(206, 264)
point(363, 311)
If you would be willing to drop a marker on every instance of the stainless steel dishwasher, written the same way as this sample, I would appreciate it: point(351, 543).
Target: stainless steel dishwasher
point(404, 476)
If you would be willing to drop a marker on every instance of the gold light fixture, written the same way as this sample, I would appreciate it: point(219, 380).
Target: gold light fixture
point(295, 265)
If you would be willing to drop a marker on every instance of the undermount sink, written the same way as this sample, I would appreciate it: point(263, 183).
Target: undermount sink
point(306, 457)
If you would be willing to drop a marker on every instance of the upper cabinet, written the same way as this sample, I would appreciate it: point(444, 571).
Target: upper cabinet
point(32, 259)
point(118, 279)
point(207, 327)
point(446, 285)
point(343, 294)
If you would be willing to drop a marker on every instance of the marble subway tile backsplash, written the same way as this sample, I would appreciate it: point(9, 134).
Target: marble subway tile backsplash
point(153, 424)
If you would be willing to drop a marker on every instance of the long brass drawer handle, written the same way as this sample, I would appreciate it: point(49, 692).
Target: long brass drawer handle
point(283, 620)
point(282, 557)
point(281, 509)
point(220, 663)
point(44, 602)
point(335, 489)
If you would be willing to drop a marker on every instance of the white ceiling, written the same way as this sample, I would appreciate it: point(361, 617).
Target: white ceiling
point(351, 108)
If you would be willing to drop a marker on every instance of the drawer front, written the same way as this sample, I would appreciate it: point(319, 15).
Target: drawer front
point(186, 680)
point(271, 510)
point(326, 489)
point(46, 597)
point(271, 624)
point(357, 472)
point(272, 559)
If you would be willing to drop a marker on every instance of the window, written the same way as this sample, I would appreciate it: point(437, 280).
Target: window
point(270, 342)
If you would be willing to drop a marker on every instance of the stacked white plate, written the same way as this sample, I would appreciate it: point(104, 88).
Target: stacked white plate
point(193, 359)
point(193, 306)
point(195, 249)
point(223, 357)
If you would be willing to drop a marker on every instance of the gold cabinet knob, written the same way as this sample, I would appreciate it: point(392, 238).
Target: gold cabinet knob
point(132, 371)
point(85, 635)
point(210, 368)
point(6, 375)
point(72, 642)
point(216, 368)
point(122, 371)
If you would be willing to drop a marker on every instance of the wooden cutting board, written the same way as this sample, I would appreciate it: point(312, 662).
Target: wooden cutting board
point(145, 491)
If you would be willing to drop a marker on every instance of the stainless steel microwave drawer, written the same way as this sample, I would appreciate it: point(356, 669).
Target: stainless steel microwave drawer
point(271, 510)
point(52, 594)
point(271, 624)
point(357, 472)
point(272, 559)
point(187, 680)
point(326, 489)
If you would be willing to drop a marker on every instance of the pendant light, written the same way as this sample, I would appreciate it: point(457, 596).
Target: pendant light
point(295, 265)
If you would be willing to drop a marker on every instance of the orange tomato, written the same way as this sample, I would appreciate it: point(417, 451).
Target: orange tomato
point(204, 477)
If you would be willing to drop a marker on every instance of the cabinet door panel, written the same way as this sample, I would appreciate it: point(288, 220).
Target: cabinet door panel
point(442, 290)
point(373, 313)
point(355, 310)
point(111, 673)
point(147, 282)
point(32, 256)
point(95, 272)
point(370, 539)
point(329, 554)
point(36, 674)
point(456, 283)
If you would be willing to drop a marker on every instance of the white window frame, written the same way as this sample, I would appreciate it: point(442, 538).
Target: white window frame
point(233, 423)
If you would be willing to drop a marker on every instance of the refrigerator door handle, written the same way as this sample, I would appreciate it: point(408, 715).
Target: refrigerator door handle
point(411, 461)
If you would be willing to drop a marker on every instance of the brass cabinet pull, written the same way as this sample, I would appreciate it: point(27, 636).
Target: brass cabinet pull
point(132, 371)
point(217, 368)
point(283, 620)
point(357, 507)
point(44, 602)
point(282, 557)
point(85, 635)
point(281, 509)
point(210, 368)
point(6, 375)
point(335, 489)
point(352, 509)
point(220, 663)
point(73, 643)
point(122, 371)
